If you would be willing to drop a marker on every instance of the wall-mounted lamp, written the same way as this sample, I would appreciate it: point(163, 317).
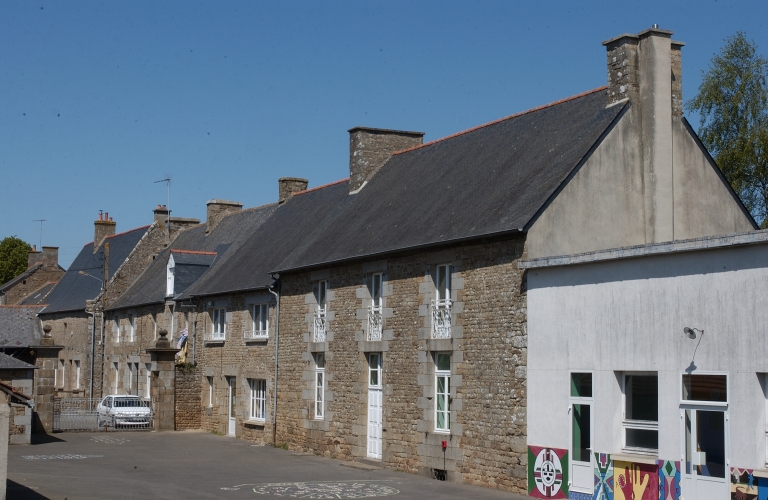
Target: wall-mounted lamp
point(691, 332)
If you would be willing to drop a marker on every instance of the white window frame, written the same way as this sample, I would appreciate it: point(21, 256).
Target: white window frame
point(376, 310)
point(320, 291)
point(59, 374)
point(170, 277)
point(210, 391)
point(258, 406)
point(259, 322)
point(635, 424)
point(442, 305)
point(131, 328)
point(116, 376)
point(148, 381)
point(446, 376)
point(77, 374)
point(219, 323)
point(374, 367)
point(319, 385)
point(132, 370)
point(117, 329)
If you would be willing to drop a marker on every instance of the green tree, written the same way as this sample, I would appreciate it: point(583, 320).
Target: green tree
point(733, 107)
point(13, 258)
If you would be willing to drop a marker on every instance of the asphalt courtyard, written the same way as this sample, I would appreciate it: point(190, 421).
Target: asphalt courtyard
point(196, 464)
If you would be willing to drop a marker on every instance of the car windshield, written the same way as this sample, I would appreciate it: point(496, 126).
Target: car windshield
point(129, 403)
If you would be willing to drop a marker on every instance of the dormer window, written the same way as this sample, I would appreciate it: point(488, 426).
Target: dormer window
point(169, 277)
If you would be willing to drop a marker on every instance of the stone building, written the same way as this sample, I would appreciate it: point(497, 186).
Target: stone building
point(100, 273)
point(43, 271)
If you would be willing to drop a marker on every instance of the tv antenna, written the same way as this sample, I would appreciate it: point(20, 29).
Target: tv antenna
point(167, 180)
point(41, 231)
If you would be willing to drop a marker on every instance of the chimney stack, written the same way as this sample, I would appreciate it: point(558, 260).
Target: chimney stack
point(647, 69)
point(34, 257)
point(370, 148)
point(288, 186)
point(161, 214)
point(50, 256)
point(217, 209)
point(103, 227)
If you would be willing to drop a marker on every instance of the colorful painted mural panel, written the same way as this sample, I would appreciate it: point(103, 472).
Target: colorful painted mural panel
point(633, 481)
point(669, 480)
point(547, 472)
point(603, 477)
point(762, 488)
point(575, 495)
point(743, 484)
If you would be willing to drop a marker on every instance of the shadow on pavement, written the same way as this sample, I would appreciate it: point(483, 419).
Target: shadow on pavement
point(46, 438)
point(16, 491)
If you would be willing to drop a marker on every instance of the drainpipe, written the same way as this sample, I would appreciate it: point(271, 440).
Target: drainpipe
point(93, 352)
point(275, 284)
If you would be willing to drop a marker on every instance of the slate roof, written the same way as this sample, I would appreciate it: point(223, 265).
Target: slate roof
point(11, 363)
point(26, 274)
point(296, 220)
point(74, 289)
point(489, 180)
point(224, 239)
point(19, 326)
point(38, 296)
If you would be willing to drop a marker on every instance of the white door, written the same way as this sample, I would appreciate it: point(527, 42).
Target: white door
point(582, 474)
point(232, 406)
point(705, 473)
point(374, 405)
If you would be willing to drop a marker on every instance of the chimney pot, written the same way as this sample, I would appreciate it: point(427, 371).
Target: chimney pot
point(288, 186)
point(103, 227)
point(371, 148)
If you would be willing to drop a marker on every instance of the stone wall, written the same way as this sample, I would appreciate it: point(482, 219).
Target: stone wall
point(20, 422)
point(487, 441)
point(73, 330)
point(34, 281)
point(188, 397)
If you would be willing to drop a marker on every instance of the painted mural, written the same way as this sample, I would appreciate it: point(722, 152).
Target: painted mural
point(603, 477)
point(669, 480)
point(547, 472)
point(743, 484)
point(633, 481)
point(762, 488)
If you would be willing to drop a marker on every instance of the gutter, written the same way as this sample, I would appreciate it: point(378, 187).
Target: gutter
point(277, 339)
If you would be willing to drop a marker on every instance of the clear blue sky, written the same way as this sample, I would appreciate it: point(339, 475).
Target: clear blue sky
point(101, 99)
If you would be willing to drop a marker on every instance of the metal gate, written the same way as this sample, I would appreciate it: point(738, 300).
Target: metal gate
point(81, 414)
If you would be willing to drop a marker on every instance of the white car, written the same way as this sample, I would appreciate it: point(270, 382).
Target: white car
point(124, 410)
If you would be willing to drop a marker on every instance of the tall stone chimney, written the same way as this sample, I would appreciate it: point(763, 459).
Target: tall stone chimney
point(103, 227)
point(217, 209)
point(34, 257)
point(288, 186)
point(370, 148)
point(647, 69)
point(50, 256)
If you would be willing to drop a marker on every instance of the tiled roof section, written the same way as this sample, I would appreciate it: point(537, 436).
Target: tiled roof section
point(74, 288)
point(213, 248)
point(489, 180)
point(296, 220)
point(19, 326)
point(11, 363)
point(38, 296)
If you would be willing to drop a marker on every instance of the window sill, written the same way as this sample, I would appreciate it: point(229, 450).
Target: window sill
point(255, 423)
point(636, 456)
point(214, 342)
point(256, 340)
point(443, 432)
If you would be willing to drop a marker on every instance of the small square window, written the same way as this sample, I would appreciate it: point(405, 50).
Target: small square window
point(581, 385)
point(710, 388)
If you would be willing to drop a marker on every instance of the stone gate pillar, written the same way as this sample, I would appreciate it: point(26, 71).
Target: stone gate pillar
point(163, 385)
point(46, 360)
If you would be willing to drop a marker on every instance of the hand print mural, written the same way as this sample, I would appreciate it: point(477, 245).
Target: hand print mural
point(635, 481)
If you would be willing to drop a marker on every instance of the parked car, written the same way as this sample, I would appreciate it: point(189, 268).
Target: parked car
point(124, 410)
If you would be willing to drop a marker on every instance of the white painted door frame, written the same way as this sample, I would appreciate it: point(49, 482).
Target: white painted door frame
point(231, 405)
point(374, 406)
point(581, 474)
point(694, 485)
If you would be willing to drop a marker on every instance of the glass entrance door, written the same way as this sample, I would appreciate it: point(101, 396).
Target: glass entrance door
point(232, 406)
point(704, 450)
point(582, 470)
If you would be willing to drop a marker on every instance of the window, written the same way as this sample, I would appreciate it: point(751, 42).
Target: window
point(441, 306)
point(210, 391)
point(321, 292)
point(319, 385)
point(258, 399)
point(374, 370)
point(131, 328)
point(709, 388)
point(115, 375)
point(218, 324)
point(148, 381)
point(116, 329)
point(59, 374)
point(170, 277)
point(77, 374)
point(260, 322)
point(376, 309)
point(442, 392)
point(641, 412)
point(132, 376)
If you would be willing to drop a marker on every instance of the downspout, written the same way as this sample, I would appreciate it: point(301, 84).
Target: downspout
point(276, 283)
point(93, 352)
